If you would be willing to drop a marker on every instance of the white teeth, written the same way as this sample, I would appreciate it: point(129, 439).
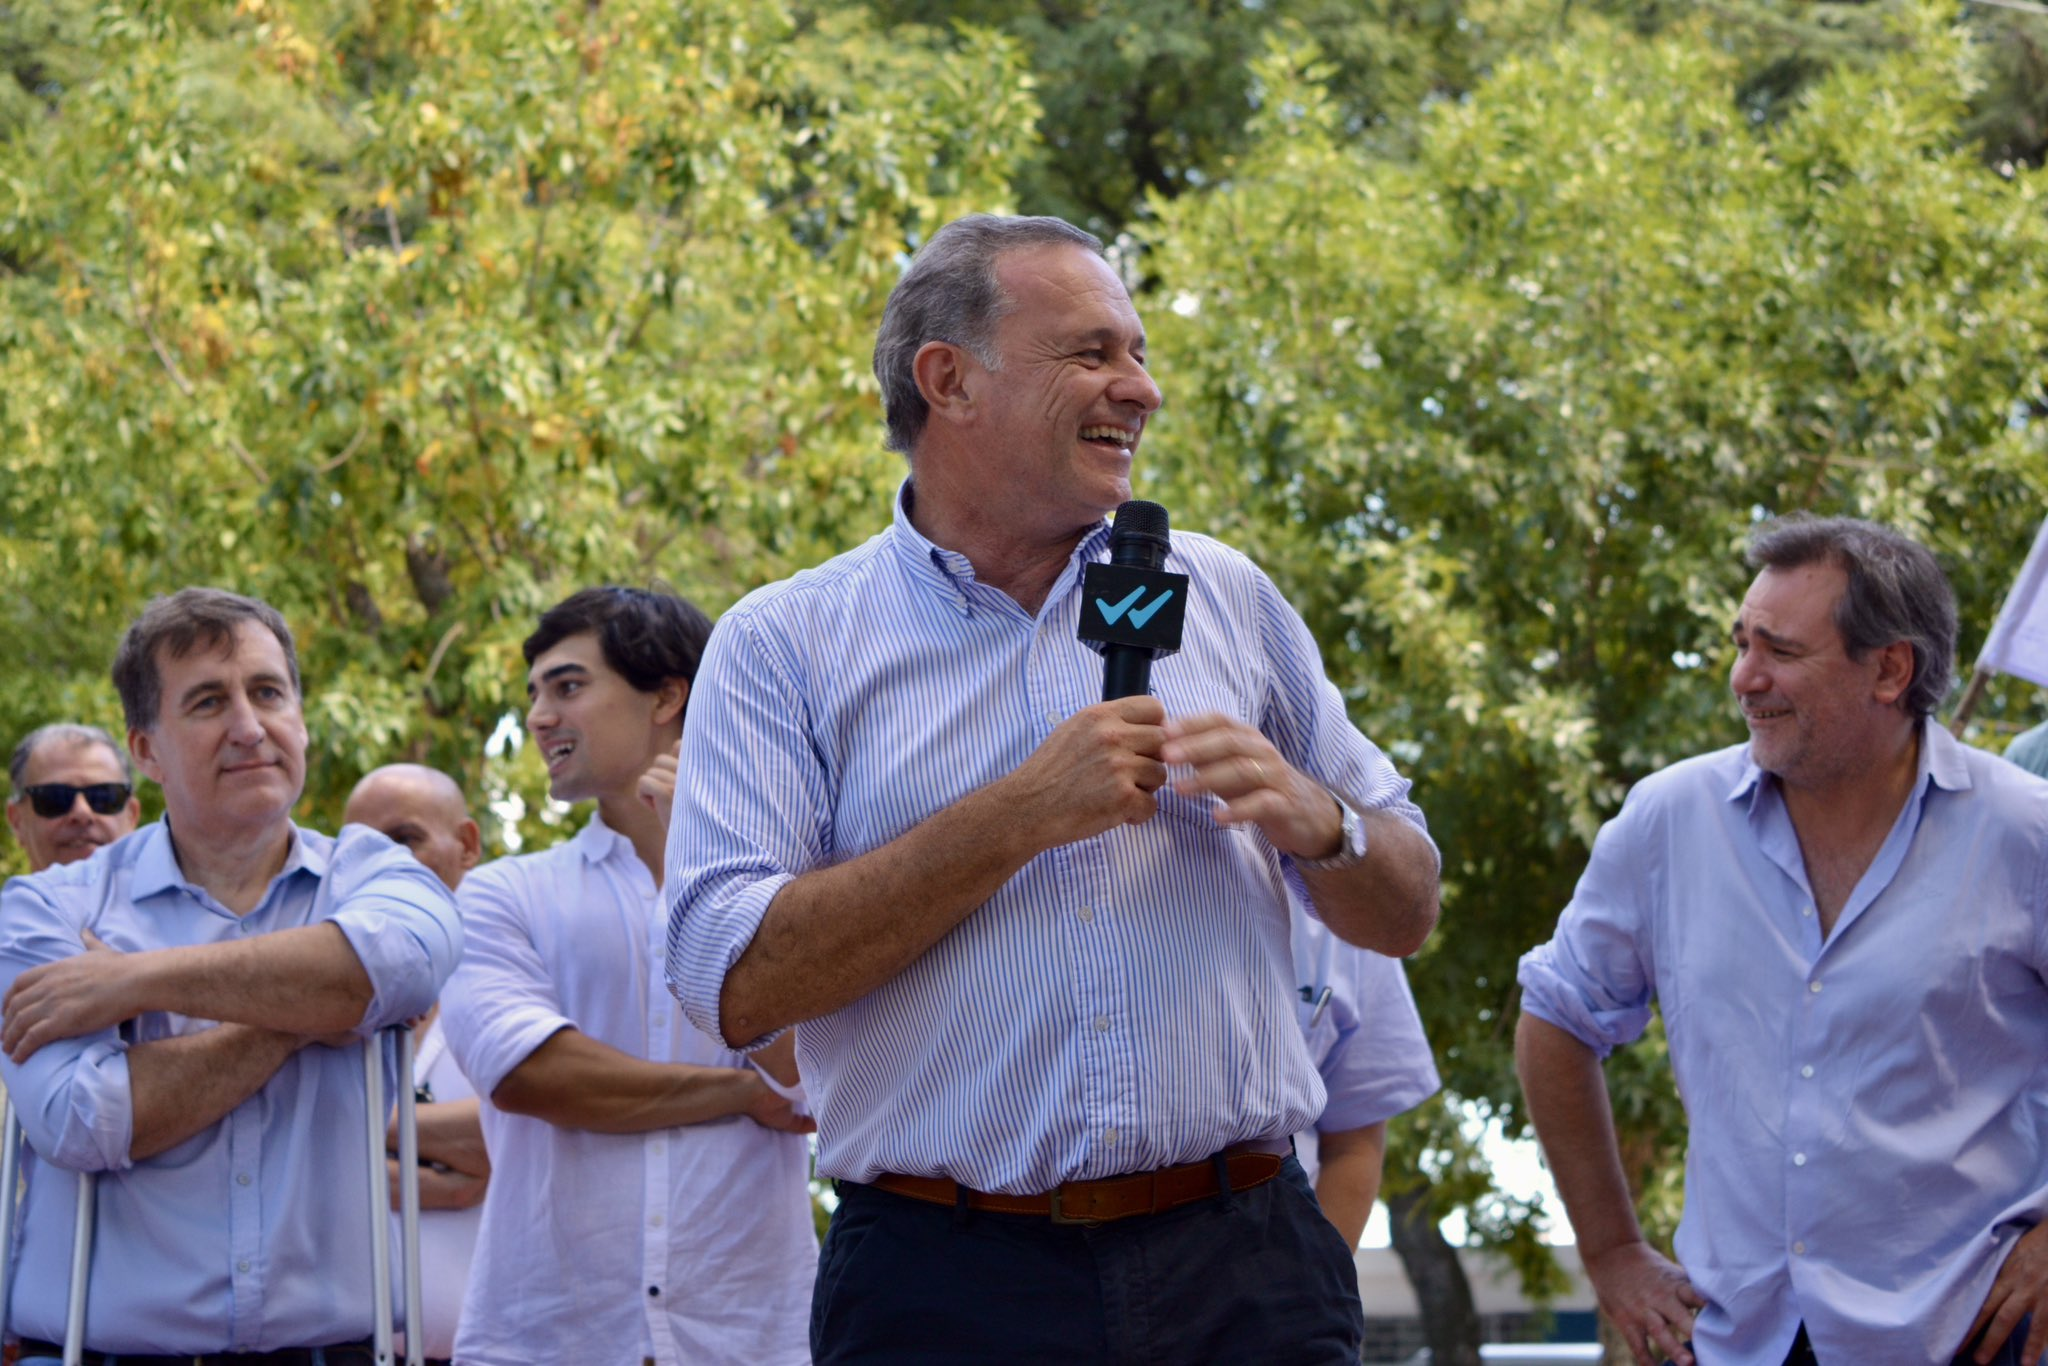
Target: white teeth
point(1121, 434)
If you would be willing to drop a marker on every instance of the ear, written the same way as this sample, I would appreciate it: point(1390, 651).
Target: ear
point(472, 842)
point(1894, 672)
point(941, 371)
point(670, 699)
point(142, 749)
point(16, 814)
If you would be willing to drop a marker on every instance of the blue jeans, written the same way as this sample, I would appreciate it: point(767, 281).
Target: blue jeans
point(1256, 1275)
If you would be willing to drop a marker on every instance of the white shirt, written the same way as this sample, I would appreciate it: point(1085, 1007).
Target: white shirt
point(722, 1267)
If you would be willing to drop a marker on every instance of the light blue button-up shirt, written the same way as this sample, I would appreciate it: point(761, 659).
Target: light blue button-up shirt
point(1866, 1113)
point(1124, 1002)
point(1364, 1035)
point(253, 1233)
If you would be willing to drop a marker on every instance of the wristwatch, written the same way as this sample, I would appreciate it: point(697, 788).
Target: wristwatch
point(1350, 842)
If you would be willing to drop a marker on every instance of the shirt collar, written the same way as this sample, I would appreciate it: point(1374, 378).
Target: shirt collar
point(949, 572)
point(597, 841)
point(156, 867)
point(1941, 763)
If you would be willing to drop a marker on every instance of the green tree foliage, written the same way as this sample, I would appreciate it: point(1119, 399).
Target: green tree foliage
point(1151, 96)
point(1500, 417)
point(412, 318)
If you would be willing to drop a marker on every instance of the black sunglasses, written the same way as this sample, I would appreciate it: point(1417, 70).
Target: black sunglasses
point(52, 800)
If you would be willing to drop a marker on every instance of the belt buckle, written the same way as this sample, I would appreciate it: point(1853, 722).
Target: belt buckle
point(1060, 1215)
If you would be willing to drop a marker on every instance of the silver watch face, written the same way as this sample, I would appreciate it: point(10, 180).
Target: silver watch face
point(1350, 841)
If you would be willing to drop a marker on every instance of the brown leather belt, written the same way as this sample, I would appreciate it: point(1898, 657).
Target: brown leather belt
point(1112, 1197)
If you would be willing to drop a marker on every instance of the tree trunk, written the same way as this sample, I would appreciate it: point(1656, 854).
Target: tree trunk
point(1449, 1318)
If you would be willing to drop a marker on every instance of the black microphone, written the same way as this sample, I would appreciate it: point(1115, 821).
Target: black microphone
point(1132, 608)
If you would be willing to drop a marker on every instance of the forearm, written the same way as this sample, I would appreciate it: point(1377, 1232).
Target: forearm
point(439, 1189)
point(1566, 1093)
point(301, 981)
point(1388, 901)
point(182, 1086)
point(832, 936)
point(450, 1133)
point(1348, 1179)
point(574, 1082)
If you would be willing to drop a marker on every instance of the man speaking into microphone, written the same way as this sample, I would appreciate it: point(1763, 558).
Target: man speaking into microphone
point(1037, 943)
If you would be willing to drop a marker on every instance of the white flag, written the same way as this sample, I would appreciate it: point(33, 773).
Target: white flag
point(2018, 643)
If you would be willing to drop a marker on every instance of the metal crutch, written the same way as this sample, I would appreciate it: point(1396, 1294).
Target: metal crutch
point(380, 1200)
point(81, 1237)
point(81, 1268)
point(10, 1188)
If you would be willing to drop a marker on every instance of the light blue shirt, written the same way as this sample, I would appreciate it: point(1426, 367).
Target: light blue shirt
point(1363, 1031)
point(252, 1234)
point(1122, 1003)
point(1866, 1113)
point(2030, 750)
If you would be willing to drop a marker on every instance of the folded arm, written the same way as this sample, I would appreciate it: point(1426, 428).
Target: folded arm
point(575, 1082)
point(300, 981)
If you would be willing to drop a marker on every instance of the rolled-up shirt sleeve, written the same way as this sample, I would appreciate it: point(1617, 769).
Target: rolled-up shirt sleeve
point(72, 1097)
point(399, 919)
point(501, 1004)
point(1595, 979)
point(753, 811)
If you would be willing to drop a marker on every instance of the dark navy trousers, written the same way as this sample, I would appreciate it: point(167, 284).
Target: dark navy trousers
point(1256, 1275)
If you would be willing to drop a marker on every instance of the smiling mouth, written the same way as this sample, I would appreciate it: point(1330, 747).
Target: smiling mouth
point(1765, 715)
point(556, 752)
point(1111, 437)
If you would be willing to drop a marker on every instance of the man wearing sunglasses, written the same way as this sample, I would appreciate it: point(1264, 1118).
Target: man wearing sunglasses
point(73, 792)
point(182, 1019)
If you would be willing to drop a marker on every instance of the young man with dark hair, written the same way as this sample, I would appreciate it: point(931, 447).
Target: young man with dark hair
point(175, 1012)
point(649, 1200)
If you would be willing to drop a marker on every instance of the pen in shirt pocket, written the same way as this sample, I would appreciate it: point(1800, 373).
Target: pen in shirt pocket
point(1322, 1001)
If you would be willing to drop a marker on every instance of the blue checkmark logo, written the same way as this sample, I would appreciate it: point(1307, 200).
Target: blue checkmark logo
point(1110, 612)
point(1141, 615)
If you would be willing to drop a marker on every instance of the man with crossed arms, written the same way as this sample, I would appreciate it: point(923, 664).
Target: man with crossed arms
point(180, 1015)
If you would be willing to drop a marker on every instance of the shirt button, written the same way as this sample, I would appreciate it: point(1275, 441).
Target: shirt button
point(1806, 910)
point(1109, 1137)
point(655, 1147)
point(1102, 1024)
point(1086, 912)
point(1799, 1159)
point(1813, 987)
point(241, 1178)
point(1806, 1071)
point(242, 1265)
point(655, 1220)
point(1052, 718)
point(1799, 1249)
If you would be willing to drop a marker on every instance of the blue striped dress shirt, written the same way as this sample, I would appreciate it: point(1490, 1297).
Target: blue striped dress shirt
point(1124, 1002)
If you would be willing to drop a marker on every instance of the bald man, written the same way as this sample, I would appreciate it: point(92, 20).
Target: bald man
point(423, 809)
point(73, 792)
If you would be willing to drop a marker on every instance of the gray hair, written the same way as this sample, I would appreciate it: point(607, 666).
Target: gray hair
point(186, 619)
point(1896, 592)
point(62, 733)
point(950, 294)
